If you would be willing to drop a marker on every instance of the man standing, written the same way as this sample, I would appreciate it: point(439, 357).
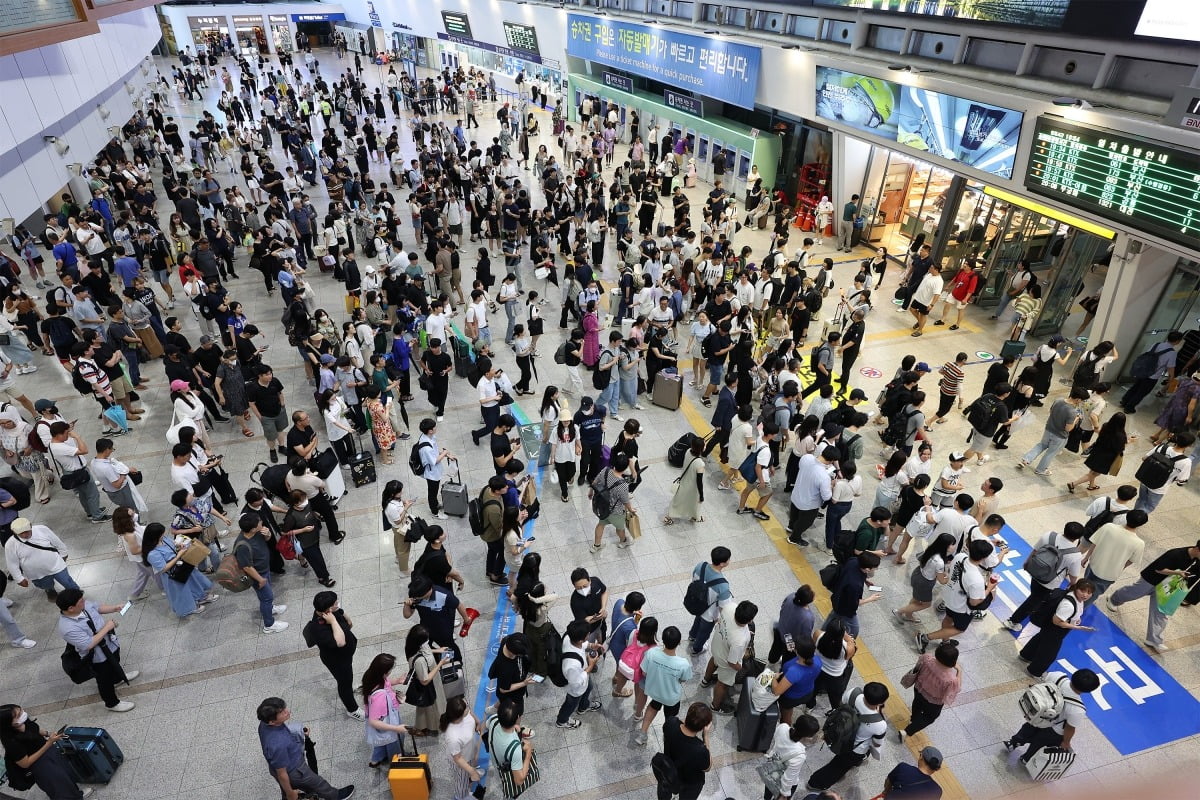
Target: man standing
point(436, 608)
point(1171, 465)
point(719, 596)
point(437, 365)
point(578, 665)
point(924, 296)
point(68, 451)
point(733, 637)
point(34, 554)
point(1181, 561)
point(722, 419)
point(665, 673)
point(283, 747)
point(265, 396)
point(81, 626)
point(330, 632)
point(116, 479)
point(685, 743)
point(762, 471)
point(1062, 730)
point(491, 512)
point(433, 458)
point(812, 491)
point(1064, 416)
point(589, 419)
point(254, 557)
point(846, 229)
point(1163, 355)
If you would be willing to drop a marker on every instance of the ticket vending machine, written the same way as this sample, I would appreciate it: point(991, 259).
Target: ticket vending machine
point(717, 147)
point(743, 172)
point(703, 165)
point(690, 135)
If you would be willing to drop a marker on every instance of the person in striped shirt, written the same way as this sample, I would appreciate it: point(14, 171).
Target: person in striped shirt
point(949, 387)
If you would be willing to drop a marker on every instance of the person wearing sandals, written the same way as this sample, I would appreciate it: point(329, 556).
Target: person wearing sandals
point(460, 737)
point(161, 554)
point(1107, 452)
point(425, 687)
point(689, 487)
point(931, 570)
point(230, 386)
point(384, 728)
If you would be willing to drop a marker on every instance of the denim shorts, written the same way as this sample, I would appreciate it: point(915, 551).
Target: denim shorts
point(715, 373)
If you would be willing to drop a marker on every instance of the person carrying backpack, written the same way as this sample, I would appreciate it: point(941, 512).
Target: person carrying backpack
point(710, 589)
point(1063, 712)
point(1060, 612)
point(1165, 464)
point(679, 769)
point(853, 731)
point(1055, 556)
point(985, 416)
point(1150, 367)
point(577, 665)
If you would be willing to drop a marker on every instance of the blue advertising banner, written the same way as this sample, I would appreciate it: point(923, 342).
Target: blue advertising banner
point(713, 67)
point(1139, 704)
point(684, 102)
point(618, 82)
point(976, 134)
point(331, 16)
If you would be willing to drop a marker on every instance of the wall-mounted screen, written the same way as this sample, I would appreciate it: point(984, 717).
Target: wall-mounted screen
point(1030, 13)
point(457, 24)
point(521, 37)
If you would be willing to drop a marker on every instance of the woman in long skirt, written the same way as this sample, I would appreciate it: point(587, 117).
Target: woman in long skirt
point(460, 735)
point(192, 595)
point(689, 488)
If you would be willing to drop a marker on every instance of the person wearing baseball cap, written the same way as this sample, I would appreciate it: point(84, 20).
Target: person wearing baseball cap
point(908, 781)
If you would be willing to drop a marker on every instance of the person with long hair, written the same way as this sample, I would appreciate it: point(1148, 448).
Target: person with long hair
point(338, 426)
point(1106, 452)
point(303, 522)
point(535, 611)
point(425, 690)
point(383, 711)
point(125, 525)
point(187, 408)
point(629, 668)
point(380, 423)
point(460, 738)
point(893, 479)
point(395, 511)
point(550, 414)
point(931, 569)
point(907, 520)
point(188, 589)
point(688, 498)
point(836, 648)
point(515, 545)
point(34, 751)
point(567, 448)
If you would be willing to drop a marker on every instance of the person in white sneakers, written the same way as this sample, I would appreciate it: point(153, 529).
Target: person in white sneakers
point(253, 555)
point(81, 625)
point(15, 634)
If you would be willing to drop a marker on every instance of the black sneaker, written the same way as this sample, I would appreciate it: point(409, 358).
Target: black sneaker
point(707, 682)
point(745, 511)
point(274, 457)
point(283, 452)
point(346, 792)
point(761, 515)
point(727, 709)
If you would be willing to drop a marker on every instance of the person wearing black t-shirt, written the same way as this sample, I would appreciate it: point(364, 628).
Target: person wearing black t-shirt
point(265, 395)
point(686, 744)
point(257, 503)
point(22, 739)
point(1182, 561)
point(510, 668)
point(437, 365)
point(434, 563)
point(503, 449)
point(330, 632)
point(589, 603)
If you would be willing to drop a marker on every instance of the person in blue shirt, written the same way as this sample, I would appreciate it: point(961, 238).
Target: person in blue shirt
point(625, 616)
point(795, 683)
point(65, 256)
point(127, 267)
point(906, 780)
point(719, 596)
point(283, 747)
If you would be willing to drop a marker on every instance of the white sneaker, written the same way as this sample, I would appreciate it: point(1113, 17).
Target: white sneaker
point(623, 543)
point(25, 643)
point(279, 609)
point(441, 515)
point(616, 418)
point(983, 460)
point(278, 627)
point(356, 714)
point(132, 674)
point(88, 792)
point(122, 707)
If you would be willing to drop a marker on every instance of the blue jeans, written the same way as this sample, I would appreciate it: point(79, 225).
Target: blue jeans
point(701, 630)
point(629, 391)
point(1147, 500)
point(384, 752)
point(1048, 448)
point(1005, 299)
point(266, 602)
point(609, 396)
point(62, 577)
point(1102, 585)
point(849, 623)
point(573, 704)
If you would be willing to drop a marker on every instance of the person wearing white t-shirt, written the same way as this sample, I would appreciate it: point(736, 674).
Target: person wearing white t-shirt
point(476, 320)
point(967, 591)
point(1062, 730)
point(489, 404)
point(436, 322)
point(761, 466)
point(1042, 648)
point(1175, 448)
point(872, 727)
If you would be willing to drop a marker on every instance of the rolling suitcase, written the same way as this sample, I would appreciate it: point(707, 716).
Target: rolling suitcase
point(462, 356)
point(91, 754)
point(454, 680)
point(755, 730)
point(454, 496)
point(668, 391)
point(409, 776)
point(1049, 764)
point(362, 468)
point(1012, 347)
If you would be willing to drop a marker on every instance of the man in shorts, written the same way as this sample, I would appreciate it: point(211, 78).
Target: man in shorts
point(731, 639)
point(265, 396)
point(665, 673)
point(924, 297)
point(967, 591)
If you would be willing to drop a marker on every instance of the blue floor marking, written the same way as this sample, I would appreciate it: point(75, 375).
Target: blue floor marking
point(1139, 704)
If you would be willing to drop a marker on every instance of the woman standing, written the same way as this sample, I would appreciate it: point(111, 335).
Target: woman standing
point(701, 329)
point(550, 414)
point(425, 690)
point(837, 649)
point(33, 751)
point(847, 485)
point(337, 426)
point(303, 522)
point(187, 409)
point(230, 386)
point(892, 480)
point(930, 571)
point(460, 736)
point(383, 711)
point(1106, 452)
point(935, 680)
point(29, 463)
point(795, 683)
point(514, 546)
point(878, 265)
point(591, 335)
point(523, 349)
point(1044, 360)
point(125, 525)
point(689, 487)
point(1018, 402)
point(567, 449)
point(187, 588)
point(381, 423)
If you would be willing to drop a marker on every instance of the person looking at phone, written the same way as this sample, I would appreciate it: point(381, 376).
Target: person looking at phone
point(967, 591)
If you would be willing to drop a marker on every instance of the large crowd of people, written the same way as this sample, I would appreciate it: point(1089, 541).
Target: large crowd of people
point(360, 184)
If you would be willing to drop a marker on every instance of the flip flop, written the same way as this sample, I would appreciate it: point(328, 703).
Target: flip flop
point(249, 434)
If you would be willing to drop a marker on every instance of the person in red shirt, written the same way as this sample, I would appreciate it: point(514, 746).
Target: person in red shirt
point(961, 291)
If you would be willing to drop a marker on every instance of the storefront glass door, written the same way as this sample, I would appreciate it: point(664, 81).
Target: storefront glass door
point(903, 199)
point(1177, 310)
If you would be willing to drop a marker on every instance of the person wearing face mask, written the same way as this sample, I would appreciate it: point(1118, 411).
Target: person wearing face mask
point(589, 604)
point(32, 751)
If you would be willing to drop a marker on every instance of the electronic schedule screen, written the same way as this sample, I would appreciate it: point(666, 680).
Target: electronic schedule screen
point(1127, 179)
point(457, 24)
point(521, 37)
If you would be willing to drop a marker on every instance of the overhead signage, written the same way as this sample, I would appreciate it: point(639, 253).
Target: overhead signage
point(622, 82)
point(254, 20)
point(977, 134)
point(1031, 13)
point(1170, 19)
point(373, 15)
point(710, 66)
point(684, 103)
point(456, 24)
point(277, 19)
point(493, 48)
point(207, 20)
point(1145, 184)
point(1139, 704)
point(329, 17)
point(521, 37)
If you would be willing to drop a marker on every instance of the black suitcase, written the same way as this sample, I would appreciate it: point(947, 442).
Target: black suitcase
point(754, 730)
point(91, 754)
point(362, 468)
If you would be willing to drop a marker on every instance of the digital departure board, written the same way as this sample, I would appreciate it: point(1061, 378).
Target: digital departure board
point(521, 37)
point(457, 24)
point(1142, 183)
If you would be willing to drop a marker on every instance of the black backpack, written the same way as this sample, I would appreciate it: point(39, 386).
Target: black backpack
point(843, 545)
point(829, 574)
point(695, 599)
point(894, 433)
point(1085, 373)
point(1156, 468)
point(666, 773)
point(1043, 615)
point(19, 489)
point(1103, 518)
point(414, 459)
point(982, 414)
point(678, 451)
point(475, 514)
point(80, 383)
point(812, 300)
point(602, 377)
point(554, 667)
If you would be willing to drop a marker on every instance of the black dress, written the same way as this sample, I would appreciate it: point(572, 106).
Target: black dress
point(51, 771)
point(1105, 451)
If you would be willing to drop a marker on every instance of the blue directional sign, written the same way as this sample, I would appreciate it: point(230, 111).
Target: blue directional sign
point(710, 66)
point(1139, 704)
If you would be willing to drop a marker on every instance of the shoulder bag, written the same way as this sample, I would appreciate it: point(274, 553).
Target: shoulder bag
point(73, 479)
point(508, 781)
point(420, 695)
point(376, 737)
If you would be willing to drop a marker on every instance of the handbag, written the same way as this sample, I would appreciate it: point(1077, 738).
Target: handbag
point(1115, 469)
point(376, 737)
point(508, 781)
point(419, 695)
point(771, 770)
point(634, 525)
point(1170, 593)
point(285, 545)
point(195, 554)
point(78, 668)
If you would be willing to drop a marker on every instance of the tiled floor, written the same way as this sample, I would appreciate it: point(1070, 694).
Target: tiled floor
point(193, 731)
